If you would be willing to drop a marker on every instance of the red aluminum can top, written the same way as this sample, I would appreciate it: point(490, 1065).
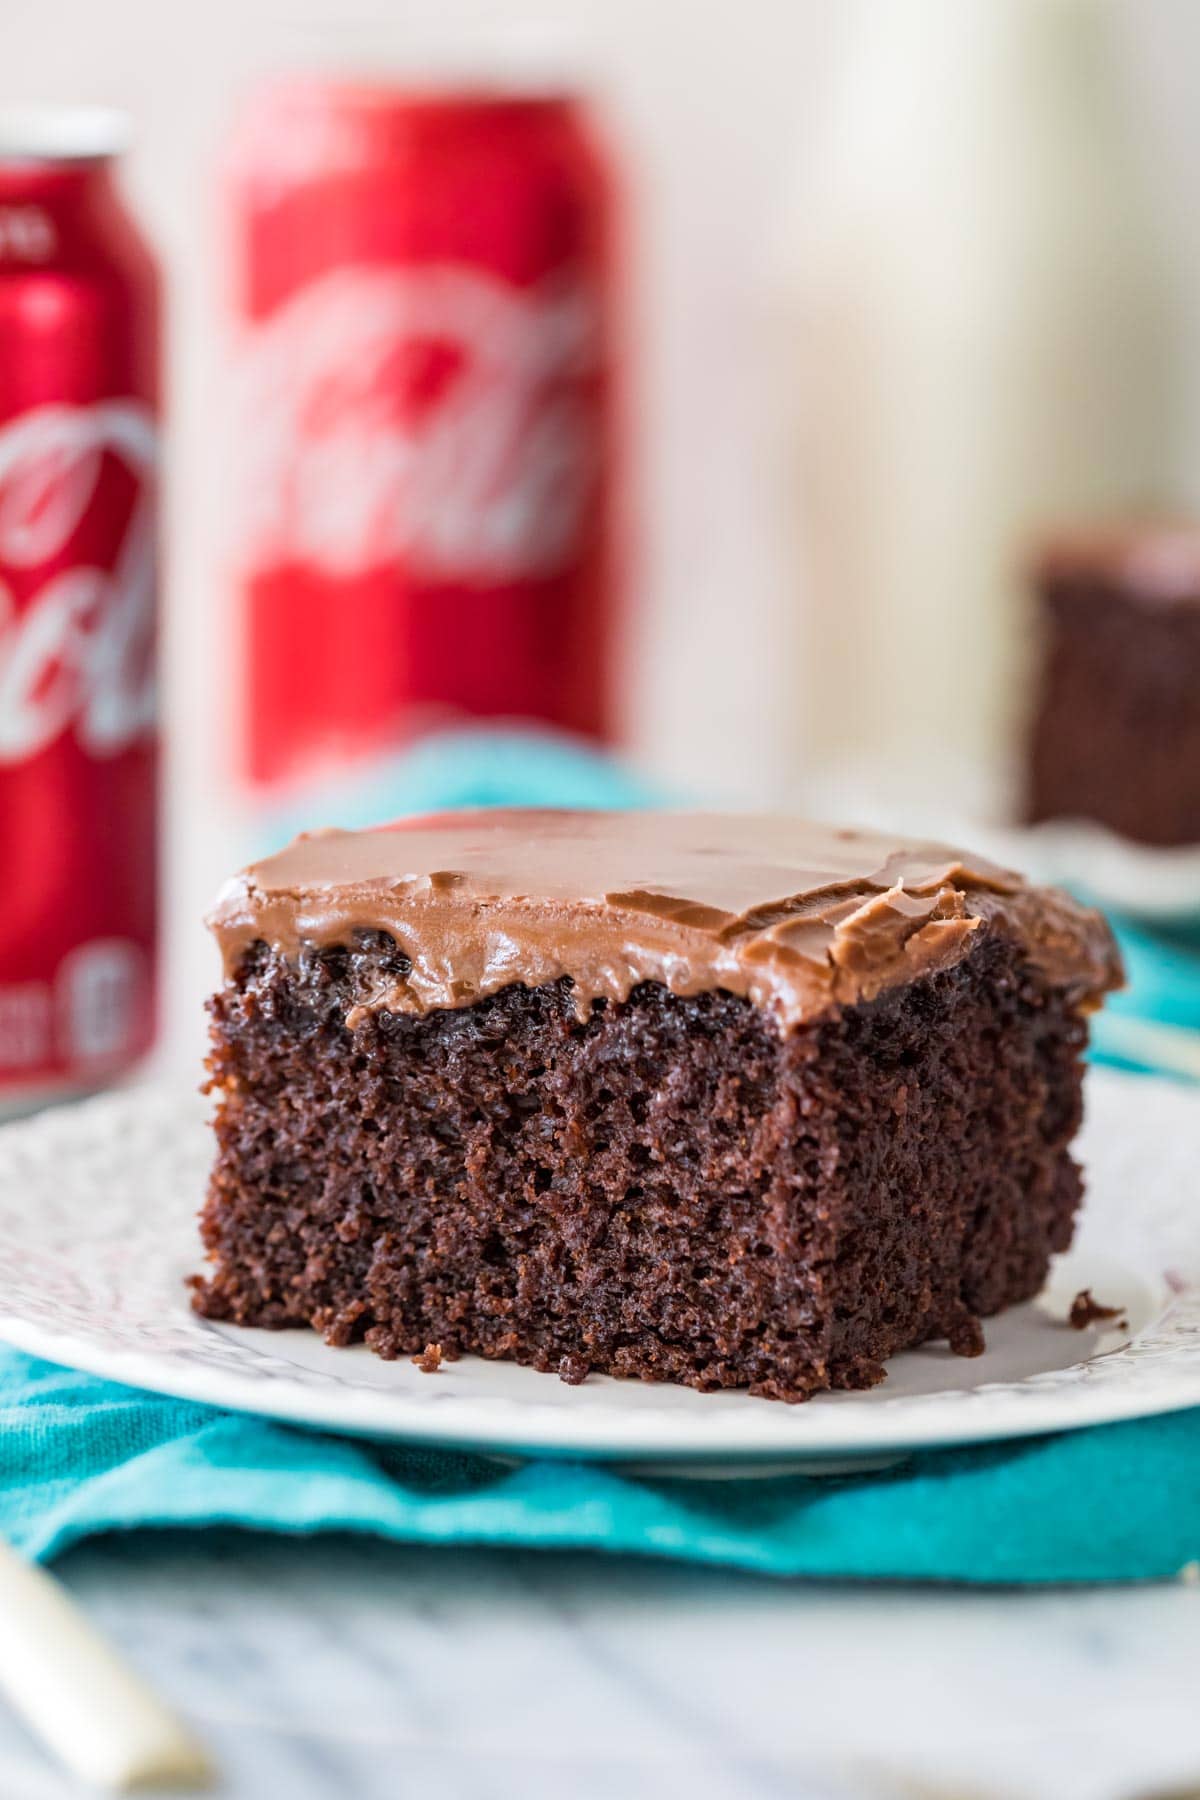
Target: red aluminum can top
point(307, 127)
point(37, 137)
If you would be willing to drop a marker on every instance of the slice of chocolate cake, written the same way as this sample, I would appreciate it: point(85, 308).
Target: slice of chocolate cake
point(718, 1100)
point(1116, 727)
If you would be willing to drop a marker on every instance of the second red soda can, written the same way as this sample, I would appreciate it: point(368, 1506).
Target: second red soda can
point(425, 486)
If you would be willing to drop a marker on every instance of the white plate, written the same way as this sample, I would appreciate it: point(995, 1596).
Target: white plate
point(97, 1234)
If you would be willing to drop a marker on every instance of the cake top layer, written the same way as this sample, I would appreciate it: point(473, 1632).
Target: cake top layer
point(796, 917)
point(1152, 561)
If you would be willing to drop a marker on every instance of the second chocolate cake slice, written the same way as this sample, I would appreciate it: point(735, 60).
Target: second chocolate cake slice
point(1115, 735)
point(729, 1101)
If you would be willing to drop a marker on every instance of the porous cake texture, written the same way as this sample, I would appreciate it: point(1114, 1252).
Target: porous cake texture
point(722, 1101)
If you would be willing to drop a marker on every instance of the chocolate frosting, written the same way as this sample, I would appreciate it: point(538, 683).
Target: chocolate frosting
point(796, 917)
point(1155, 562)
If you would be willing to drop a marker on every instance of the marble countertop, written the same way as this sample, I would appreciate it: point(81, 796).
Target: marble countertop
point(354, 1670)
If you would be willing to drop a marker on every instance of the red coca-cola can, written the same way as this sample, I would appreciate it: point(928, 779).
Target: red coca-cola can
point(425, 439)
point(78, 745)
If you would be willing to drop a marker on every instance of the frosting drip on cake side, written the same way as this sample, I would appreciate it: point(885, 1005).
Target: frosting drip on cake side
point(795, 917)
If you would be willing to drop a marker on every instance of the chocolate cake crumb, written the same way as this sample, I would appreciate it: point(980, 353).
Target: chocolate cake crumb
point(964, 1333)
point(573, 1369)
point(1086, 1311)
point(430, 1360)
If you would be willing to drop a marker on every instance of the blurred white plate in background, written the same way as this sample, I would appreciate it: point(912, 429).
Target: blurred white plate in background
point(970, 808)
point(97, 1236)
point(1159, 886)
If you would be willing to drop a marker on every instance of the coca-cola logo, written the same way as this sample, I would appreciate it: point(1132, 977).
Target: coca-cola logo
point(75, 644)
point(431, 417)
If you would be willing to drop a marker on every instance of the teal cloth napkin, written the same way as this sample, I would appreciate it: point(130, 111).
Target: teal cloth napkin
point(1120, 1503)
point(79, 1456)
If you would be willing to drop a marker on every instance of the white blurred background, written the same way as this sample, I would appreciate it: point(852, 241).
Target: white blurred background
point(715, 110)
